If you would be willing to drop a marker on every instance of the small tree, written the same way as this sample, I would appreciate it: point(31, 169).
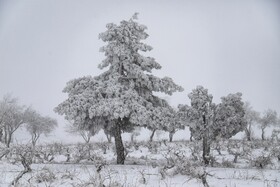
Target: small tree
point(163, 119)
point(268, 118)
point(209, 121)
point(37, 125)
point(175, 124)
point(123, 96)
point(251, 117)
point(83, 131)
point(12, 116)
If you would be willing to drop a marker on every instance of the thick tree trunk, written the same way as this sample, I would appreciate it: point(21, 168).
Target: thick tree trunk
point(152, 135)
point(119, 144)
point(206, 150)
point(205, 143)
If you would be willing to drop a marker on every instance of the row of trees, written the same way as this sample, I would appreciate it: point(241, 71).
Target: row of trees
point(13, 116)
point(122, 97)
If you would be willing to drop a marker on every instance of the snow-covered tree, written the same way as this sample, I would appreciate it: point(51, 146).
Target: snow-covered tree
point(251, 117)
point(209, 121)
point(12, 116)
point(123, 95)
point(85, 131)
point(174, 124)
point(37, 125)
point(268, 118)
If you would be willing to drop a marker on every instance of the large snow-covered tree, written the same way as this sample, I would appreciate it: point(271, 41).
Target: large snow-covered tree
point(207, 121)
point(123, 95)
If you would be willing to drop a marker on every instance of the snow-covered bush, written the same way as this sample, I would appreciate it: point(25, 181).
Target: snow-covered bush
point(153, 146)
point(238, 149)
point(104, 146)
point(276, 151)
point(178, 163)
point(227, 164)
point(45, 175)
point(261, 161)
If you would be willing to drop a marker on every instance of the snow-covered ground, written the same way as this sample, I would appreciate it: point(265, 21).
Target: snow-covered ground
point(144, 165)
point(134, 176)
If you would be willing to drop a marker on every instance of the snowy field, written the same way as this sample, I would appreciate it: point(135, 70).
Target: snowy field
point(134, 175)
point(147, 164)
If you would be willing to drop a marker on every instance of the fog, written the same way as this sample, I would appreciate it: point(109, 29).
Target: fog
point(226, 46)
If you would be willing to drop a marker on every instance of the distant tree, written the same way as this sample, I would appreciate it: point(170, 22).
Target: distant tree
point(175, 124)
point(135, 132)
point(209, 121)
point(123, 96)
point(37, 125)
point(163, 119)
point(12, 117)
point(251, 117)
point(268, 118)
point(182, 115)
point(85, 131)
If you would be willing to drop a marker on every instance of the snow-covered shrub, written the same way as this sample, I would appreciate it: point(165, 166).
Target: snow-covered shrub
point(4, 150)
point(104, 146)
point(237, 149)
point(21, 154)
point(82, 151)
point(261, 161)
point(276, 151)
point(227, 164)
point(153, 147)
point(177, 163)
point(45, 175)
point(196, 149)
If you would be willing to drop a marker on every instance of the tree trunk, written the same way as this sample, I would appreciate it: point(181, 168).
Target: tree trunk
point(1, 134)
point(171, 134)
point(9, 139)
point(34, 139)
point(152, 135)
point(132, 137)
point(108, 136)
point(263, 138)
point(235, 158)
point(248, 133)
point(206, 150)
point(205, 143)
point(119, 143)
point(27, 169)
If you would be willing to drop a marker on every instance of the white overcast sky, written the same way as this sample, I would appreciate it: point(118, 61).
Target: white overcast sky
point(226, 46)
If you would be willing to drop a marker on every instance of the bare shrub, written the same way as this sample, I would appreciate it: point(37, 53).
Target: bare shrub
point(177, 163)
